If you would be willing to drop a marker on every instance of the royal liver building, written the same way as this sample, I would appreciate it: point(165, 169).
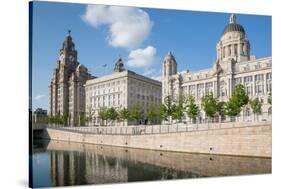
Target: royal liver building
point(66, 89)
point(234, 65)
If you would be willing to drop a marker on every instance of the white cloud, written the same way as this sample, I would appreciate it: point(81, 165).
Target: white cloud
point(128, 27)
point(142, 57)
point(39, 97)
point(159, 77)
point(153, 74)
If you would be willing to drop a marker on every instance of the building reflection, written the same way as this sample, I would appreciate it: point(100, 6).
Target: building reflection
point(74, 168)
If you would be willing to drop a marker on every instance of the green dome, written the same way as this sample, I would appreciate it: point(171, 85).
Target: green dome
point(233, 27)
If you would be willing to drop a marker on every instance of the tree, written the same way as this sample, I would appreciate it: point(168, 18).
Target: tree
point(221, 109)
point(64, 119)
point(192, 110)
point(83, 120)
point(90, 114)
point(102, 113)
point(111, 114)
point(256, 106)
point(210, 105)
point(237, 101)
point(179, 107)
point(123, 114)
point(167, 107)
point(136, 113)
point(155, 113)
point(240, 95)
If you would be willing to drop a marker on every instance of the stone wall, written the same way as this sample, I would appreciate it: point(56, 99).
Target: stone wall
point(241, 141)
point(201, 164)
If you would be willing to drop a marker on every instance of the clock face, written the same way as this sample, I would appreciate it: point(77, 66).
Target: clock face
point(62, 57)
point(71, 58)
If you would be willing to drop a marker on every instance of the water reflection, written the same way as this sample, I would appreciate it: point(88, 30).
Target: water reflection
point(57, 163)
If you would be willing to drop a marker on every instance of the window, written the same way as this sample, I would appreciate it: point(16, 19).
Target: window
point(249, 90)
point(247, 112)
point(268, 86)
point(238, 80)
point(259, 77)
point(269, 111)
point(248, 79)
point(259, 89)
point(258, 66)
point(268, 76)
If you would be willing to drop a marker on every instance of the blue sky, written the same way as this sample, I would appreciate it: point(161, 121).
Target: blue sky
point(101, 36)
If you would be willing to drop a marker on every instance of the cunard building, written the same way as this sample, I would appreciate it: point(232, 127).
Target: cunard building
point(234, 65)
point(66, 89)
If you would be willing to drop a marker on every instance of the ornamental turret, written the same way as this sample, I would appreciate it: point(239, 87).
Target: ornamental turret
point(233, 43)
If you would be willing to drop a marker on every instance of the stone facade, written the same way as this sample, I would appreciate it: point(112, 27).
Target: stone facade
point(234, 65)
point(121, 89)
point(66, 89)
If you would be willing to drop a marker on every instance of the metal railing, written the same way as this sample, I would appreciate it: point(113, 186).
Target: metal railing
point(158, 129)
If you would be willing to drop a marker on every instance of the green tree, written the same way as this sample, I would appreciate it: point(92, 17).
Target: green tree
point(136, 113)
point(210, 105)
point(83, 120)
point(192, 110)
point(64, 119)
point(237, 101)
point(102, 113)
point(111, 114)
point(221, 109)
point(256, 106)
point(155, 113)
point(90, 114)
point(124, 114)
point(168, 109)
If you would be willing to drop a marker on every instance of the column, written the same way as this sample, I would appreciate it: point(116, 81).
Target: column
point(196, 88)
point(215, 90)
point(205, 88)
point(229, 92)
point(245, 49)
point(232, 50)
point(264, 84)
point(254, 85)
point(241, 48)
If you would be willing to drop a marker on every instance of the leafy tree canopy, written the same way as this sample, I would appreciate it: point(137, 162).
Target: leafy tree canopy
point(256, 106)
point(210, 105)
point(193, 109)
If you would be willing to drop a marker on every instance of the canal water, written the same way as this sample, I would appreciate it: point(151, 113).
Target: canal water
point(57, 163)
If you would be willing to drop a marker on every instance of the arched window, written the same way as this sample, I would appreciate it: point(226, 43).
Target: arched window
point(229, 50)
point(269, 110)
point(248, 112)
point(242, 49)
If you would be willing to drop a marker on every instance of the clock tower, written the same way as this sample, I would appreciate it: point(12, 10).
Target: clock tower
point(66, 89)
point(68, 54)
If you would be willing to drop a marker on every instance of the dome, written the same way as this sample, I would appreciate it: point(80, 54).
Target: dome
point(233, 26)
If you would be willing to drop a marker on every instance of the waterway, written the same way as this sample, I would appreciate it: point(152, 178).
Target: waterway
point(57, 163)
